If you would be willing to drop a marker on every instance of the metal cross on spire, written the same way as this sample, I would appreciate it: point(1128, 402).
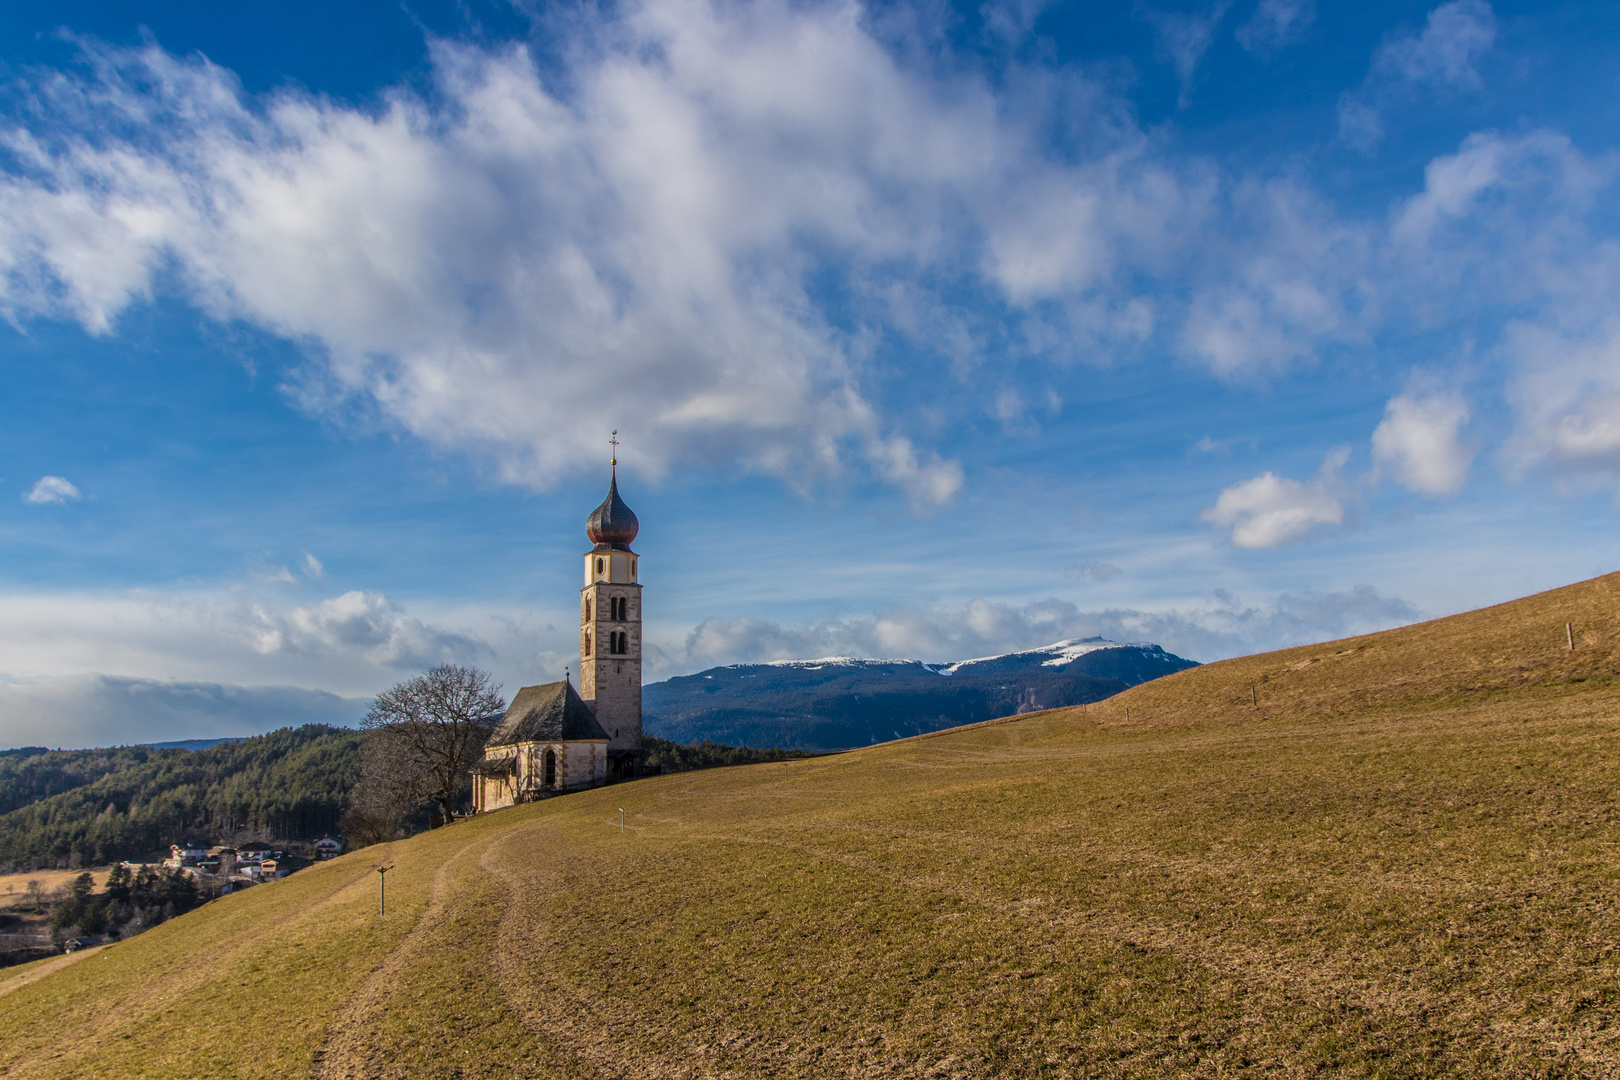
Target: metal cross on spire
point(615, 441)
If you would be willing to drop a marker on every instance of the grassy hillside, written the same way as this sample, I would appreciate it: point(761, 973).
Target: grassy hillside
point(1402, 863)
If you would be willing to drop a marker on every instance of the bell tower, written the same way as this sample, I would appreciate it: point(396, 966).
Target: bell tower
point(610, 625)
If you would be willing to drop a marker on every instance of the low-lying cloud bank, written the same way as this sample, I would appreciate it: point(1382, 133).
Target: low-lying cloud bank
point(1221, 627)
point(203, 666)
point(107, 710)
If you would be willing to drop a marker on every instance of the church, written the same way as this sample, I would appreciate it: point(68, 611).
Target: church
point(554, 738)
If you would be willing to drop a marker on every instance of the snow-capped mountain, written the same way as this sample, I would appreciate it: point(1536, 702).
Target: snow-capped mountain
point(841, 701)
point(1062, 656)
point(1059, 654)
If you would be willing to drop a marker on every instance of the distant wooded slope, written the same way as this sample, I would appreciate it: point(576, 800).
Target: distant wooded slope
point(290, 784)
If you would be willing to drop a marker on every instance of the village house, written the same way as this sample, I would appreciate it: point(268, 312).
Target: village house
point(184, 855)
point(254, 851)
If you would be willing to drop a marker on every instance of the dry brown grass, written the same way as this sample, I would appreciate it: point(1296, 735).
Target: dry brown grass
point(14, 887)
point(1402, 864)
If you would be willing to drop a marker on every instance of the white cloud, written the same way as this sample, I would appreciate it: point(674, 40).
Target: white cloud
point(101, 710)
point(1276, 23)
point(1209, 630)
point(1566, 398)
point(1445, 53)
point(1448, 49)
point(312, 567)
point(512, 264)
point(1270, 510)
point(511, 268)
point(1517, 223)
point(1511, 204)
point(1186, 37)
point(1360, 125)
point(1292, 279)
point(51, 489)
point(351, 644)
point(362, 625)
point(1420, 439)
point(515, 272)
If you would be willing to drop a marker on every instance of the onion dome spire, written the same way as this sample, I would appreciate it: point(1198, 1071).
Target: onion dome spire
point(613, 524)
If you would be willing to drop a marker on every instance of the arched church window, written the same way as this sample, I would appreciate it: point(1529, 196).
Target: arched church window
point(587, 643)
point(587, 609)
point(551, 769)
point(599, 565)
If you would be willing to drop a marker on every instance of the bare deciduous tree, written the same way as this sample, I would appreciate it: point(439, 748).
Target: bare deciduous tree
point(431, 728)
point(388, 790)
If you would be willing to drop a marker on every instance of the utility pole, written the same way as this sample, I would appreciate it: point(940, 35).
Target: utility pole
point(382, 890)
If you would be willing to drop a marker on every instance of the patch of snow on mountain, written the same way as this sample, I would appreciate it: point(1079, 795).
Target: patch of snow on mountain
point(829, 661)
point(1061, 652)
point(1058, 654)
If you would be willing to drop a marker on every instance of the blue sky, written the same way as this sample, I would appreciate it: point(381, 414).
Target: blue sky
point(930, 331)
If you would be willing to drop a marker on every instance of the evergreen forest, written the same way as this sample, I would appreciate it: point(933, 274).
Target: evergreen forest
point(132, 802)
point(72, 808)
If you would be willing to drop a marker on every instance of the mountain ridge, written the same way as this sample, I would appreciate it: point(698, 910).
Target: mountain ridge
point(834, 703)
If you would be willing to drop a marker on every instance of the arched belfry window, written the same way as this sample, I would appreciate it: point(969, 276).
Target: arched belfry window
point(587, 643)
point(598, 564)
point(551, 769)
point(587, 609)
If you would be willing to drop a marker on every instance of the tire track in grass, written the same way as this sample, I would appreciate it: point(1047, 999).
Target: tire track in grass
point(179, 976)
point(433, 1008)
point(594, 1038)
point(350, 1050)
point(48, 966)
point(604, 1036)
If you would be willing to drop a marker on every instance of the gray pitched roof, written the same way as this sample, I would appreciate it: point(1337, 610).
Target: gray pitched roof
point(550, 713)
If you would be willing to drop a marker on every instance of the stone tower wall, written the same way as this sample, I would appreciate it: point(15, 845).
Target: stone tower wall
point(612, 681)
